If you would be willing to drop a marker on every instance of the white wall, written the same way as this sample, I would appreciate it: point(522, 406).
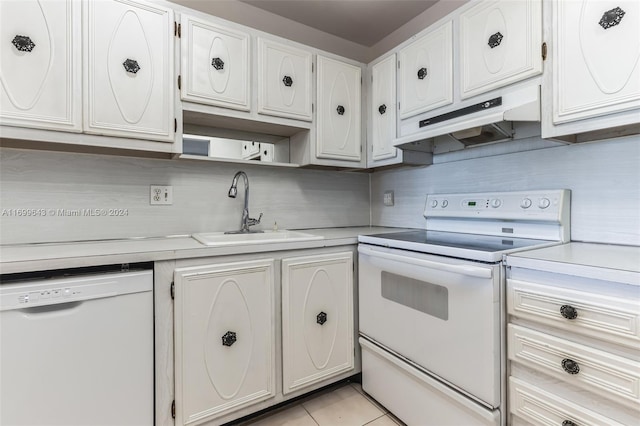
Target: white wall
point(296, 199)
point(604, 179)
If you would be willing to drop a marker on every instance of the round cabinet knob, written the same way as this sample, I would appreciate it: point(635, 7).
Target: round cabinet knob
point(229, 338)
point(434, 203)
point(568, 312)
point(525, 203)
point(321, 318)
point(496, 202)
point(543, 203)
point(570, 366)
point(445, 203)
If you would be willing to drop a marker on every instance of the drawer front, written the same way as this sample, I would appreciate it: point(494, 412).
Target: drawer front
point(608, 318)
point(540, 407)
point(607, 375)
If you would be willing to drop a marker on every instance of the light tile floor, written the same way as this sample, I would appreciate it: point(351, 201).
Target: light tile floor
point(347, 405)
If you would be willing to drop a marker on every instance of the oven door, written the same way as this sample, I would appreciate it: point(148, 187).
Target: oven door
point(442, 314)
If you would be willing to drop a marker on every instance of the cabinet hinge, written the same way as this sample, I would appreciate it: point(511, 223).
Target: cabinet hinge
point(398, 106)
point(177, 29)
point(179, 82)
point(173, 409)
point(173, 290)
point(361, 81)
point(398, 64)
point(312, 108)
point(312, 67)
point(175, 125)
point(544, 51)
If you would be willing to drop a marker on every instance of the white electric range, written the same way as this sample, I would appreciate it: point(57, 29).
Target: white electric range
point(431, 303)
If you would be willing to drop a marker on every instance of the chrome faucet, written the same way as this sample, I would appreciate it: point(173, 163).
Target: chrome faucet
point(246, 220)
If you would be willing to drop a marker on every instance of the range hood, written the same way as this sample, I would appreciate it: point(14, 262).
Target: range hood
point(477, 122)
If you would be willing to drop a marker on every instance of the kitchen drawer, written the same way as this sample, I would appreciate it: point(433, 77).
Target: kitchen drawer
point(603, 315)
point(540, 407)
point(602, 373)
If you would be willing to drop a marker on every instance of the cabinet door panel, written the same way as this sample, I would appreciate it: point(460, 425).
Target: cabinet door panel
point(383, 110)
point(128, 68)
point(215, 64)
point(339, 116)
point(544, 408)
point(317, 318)
point(426, 68)
point(40, 64)
point(610, 376)
point(284, 78)
point(596, 58)
point(224, 333)
point(500, 44)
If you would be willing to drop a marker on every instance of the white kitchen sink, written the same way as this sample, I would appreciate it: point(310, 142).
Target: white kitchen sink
point(221, 239)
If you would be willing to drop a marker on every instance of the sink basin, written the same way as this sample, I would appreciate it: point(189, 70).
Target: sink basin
point(266, 237)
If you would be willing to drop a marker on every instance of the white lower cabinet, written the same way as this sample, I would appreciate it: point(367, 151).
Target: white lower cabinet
point(251, 331)
point(317, 318)
point(224, 338)
point(572, 337)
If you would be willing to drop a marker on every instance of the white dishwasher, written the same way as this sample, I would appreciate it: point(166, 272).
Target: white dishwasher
point(77, 350)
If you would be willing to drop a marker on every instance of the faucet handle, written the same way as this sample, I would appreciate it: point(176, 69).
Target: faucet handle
point(251, 221)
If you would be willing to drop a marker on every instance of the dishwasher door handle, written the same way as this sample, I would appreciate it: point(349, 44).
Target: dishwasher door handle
point(474, 271)
point(50, 309)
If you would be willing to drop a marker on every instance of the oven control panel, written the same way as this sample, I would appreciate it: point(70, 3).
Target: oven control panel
point(550, 205)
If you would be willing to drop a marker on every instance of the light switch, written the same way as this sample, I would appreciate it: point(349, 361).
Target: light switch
point(388, 198)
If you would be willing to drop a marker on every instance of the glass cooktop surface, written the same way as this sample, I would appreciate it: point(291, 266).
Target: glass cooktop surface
point(480, 247)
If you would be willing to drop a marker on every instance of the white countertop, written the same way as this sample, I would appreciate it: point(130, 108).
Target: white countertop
point(38, 257)
point(598, 261)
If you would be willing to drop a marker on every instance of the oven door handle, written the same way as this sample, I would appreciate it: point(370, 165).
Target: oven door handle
point(474, 271)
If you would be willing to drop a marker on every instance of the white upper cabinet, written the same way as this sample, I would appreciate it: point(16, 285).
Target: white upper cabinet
point(426, 72)
point(339, 115)
point(382, 113)
point(284, 80)
point(596, 59)
point(40, 66)
point(500, 44)
point(215, 64)
point(128, 60)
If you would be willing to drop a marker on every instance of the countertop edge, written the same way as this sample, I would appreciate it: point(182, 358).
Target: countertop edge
point(129, 254)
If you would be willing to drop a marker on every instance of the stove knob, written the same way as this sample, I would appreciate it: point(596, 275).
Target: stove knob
point(496, 202)
point(543, 203)
point(434, 203)
point(525, 203)
point(445, 203)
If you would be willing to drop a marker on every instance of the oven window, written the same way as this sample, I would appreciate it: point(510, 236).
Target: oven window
point(432, 299)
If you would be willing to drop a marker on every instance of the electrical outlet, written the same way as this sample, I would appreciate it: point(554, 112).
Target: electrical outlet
point(388, 198)
point(161, 195)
